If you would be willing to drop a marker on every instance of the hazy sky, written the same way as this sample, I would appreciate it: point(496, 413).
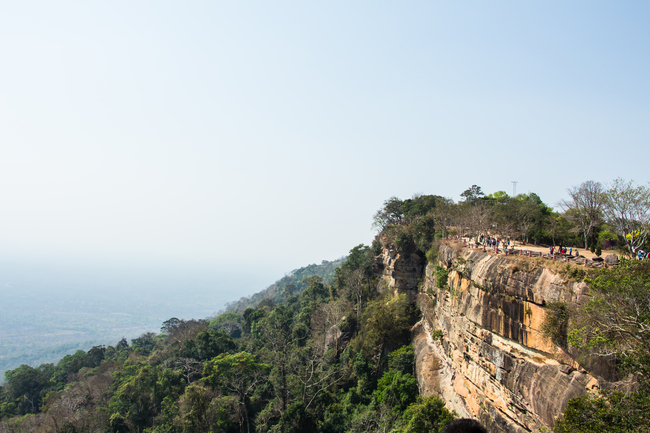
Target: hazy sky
point(245, 133)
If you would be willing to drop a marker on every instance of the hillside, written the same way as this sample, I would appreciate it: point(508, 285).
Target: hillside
point(403, 336)
point(294, 280)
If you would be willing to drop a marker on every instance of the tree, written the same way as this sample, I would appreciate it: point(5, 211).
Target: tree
point(477, 218)
point(627, 209)
point(445, 215)
point(357, 283)
point(391, 213)
point(27, 386)
point(427, 415)
point(530, 213)
point(387, 323)
point(584, 207)
point(144, 344)
point(472, 194)
point(206, 345)
point(195, 410)
point(178, 331)
point(239, 374)
point(616, 321)
point(397, 390)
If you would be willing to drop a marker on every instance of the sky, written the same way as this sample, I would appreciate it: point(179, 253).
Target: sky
point(258, 137)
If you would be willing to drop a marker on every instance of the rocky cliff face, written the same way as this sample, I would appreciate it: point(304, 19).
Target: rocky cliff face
point(479, 346)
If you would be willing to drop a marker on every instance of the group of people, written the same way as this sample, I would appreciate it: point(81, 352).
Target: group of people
point(563, 250)
point(493, 242)
point(643, 255)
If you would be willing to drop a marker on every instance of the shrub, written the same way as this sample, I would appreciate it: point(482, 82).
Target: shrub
point(397, 390)
point(442, 275)
point(556, 323)
point(428, 414)
point(402, 359)
point(432, 255)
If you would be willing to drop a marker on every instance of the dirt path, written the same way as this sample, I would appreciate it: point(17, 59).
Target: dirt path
point(581, 251)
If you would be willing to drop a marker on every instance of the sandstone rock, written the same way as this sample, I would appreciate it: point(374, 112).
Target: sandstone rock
point(611, 259)
point(492, 363)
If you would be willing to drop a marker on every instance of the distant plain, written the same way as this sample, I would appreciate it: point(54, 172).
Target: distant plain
point(48, 311)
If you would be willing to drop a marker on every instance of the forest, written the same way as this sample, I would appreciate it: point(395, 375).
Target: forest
point(330, 351)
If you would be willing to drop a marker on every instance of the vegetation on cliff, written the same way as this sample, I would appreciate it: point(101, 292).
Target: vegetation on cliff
point(611, 327)
point(614, 325)
point(595, 217)
point(290, 283)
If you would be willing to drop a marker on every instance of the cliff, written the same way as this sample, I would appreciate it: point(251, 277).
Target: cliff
point(479, 345)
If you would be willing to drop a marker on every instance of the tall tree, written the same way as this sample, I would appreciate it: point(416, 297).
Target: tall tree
point(627, 209)
point(391, 213)
point(472, 194)
point(445, 215)
point(585, 207)
point(239, 375)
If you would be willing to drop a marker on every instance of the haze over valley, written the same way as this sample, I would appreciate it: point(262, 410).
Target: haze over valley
point(50, 310)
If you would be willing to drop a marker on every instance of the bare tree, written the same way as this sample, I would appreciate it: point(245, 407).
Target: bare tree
point(189, 368)
point(327, 316)
point(479, 218)
point(585, 207)
point(357, 282)
point(627, 209)
point(445, 214)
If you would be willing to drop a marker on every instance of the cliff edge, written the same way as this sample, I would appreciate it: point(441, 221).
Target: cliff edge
point(479, 344)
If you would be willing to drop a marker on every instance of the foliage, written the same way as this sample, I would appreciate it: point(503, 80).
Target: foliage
point(627, 209)
point(426, 415)
point(290, 284)
point(388, 322)
point(556, 323)
point(442, 277)
point(396, 211)
point(615, 322)
point(397, 390)
point(472, 194)
point(432, 254)
point(585, 208)
point(402, 360)
point(610, 412)
point(573, 272)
